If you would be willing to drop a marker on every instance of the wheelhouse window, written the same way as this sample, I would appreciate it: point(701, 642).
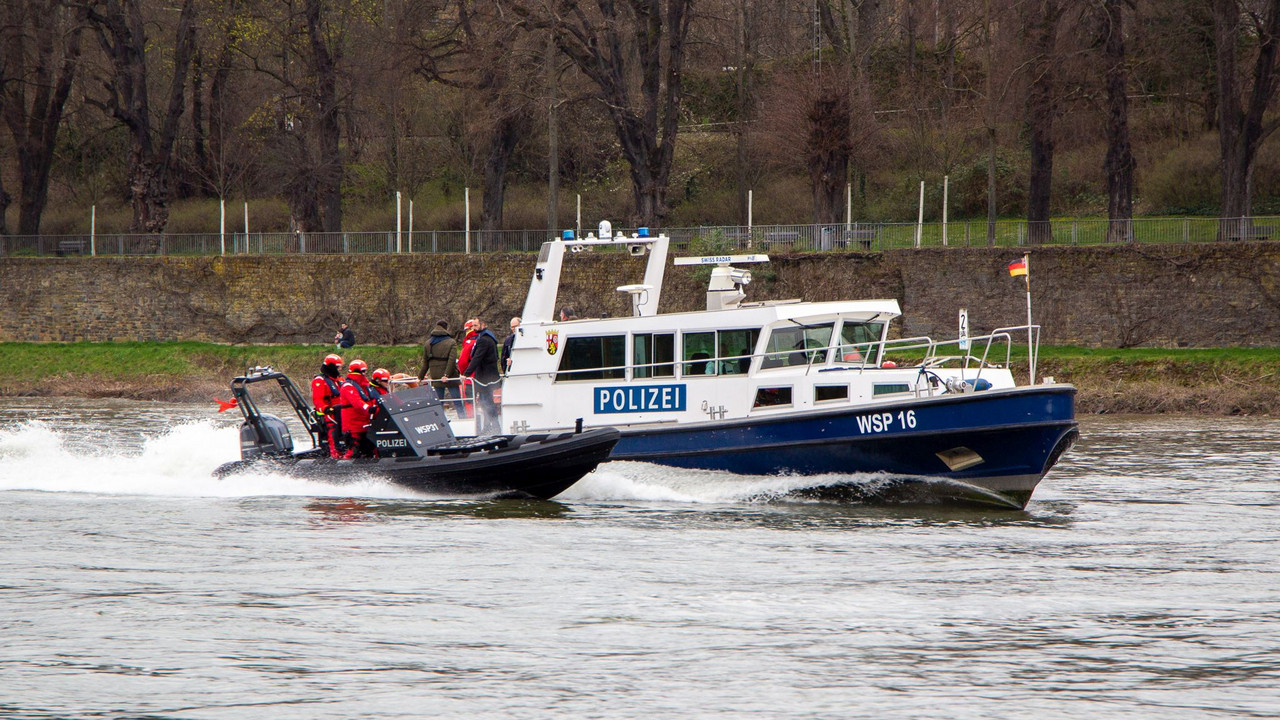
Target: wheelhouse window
point(699, 350)
point(593, 358)
point(654, 354)
point(797, 345)
point(719, 352)
point(824, 393)
point(772, 397)
point(735, 348)
point(860, 342)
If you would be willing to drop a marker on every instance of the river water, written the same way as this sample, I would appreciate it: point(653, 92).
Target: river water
point(1142, 581)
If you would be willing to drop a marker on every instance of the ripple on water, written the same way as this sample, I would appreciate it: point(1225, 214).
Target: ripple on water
point(1140, 582)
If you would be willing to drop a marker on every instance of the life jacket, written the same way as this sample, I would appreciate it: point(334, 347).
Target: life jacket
point(325, 392)
point(358, 402)
point(464, 355)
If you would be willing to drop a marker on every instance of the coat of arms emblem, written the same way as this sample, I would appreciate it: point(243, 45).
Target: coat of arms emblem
point(553, 341)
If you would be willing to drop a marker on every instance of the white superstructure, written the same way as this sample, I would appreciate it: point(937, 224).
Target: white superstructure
point(734, 360)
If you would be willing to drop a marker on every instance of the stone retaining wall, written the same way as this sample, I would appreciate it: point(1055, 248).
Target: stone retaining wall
point(1166, 295)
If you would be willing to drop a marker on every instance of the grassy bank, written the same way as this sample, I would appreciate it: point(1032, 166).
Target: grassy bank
point(1221, 381)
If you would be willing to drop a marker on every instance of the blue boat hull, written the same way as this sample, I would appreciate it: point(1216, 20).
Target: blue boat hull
point(1000, 441)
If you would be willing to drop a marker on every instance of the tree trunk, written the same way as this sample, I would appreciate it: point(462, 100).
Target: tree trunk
point(1241, 127)
point(148, 193)
point(199, 138)
point(5, 199)
point(744, 105)
point(1119, 163)
point(828, 149)
point(328, 130)
point(122, 35)
point(31, 57)
point(506, 136)
point(991, 186)
point(1040, 115)
point(300, 190)
point(646, 128)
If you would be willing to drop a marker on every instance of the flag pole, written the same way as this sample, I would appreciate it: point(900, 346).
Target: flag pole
point(1031, 348)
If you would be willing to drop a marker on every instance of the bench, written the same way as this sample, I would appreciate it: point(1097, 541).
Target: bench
point(1256, 232)
point(71, 247)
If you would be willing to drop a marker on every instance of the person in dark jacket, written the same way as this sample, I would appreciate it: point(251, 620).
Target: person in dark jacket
point(345, 338)
point(504, 361)
point(465, 390)
point(440, 362)
point(483, 370)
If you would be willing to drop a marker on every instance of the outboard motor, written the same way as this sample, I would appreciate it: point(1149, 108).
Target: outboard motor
point(267, 437)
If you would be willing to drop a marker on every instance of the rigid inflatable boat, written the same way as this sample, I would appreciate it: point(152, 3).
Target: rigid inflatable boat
point(416, 447)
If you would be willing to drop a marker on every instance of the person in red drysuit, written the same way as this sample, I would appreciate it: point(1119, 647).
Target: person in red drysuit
point(381, 381)
point(326, 393)
point(358, 401)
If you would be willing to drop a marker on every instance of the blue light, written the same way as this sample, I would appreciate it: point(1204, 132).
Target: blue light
point(566, 235)
point(642, 232)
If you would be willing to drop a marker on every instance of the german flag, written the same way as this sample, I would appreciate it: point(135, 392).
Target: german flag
point(1018, 267)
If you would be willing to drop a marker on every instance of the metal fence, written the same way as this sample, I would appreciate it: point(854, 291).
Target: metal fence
point(861, 236)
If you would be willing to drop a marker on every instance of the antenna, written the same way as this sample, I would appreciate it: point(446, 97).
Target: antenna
point(724, 292)
point(721, 259)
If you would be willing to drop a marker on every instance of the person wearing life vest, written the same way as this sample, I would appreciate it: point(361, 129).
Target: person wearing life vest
point(380, 381)
point(326, 395)
point(358, 400)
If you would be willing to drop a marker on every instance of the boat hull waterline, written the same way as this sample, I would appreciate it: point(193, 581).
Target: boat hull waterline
point(537, 466)
point(1001, 441)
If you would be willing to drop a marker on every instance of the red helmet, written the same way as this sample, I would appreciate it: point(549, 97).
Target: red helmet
point(334, 360)
point(358, 366)
point(381, 375)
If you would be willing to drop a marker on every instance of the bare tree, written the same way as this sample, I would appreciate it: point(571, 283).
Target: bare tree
point(1042, 31)
point(1119, 163)
point(621, 46)
point(477, 47)
point(850, 27)
point(1242, 105)
point(40, 59)
point(301, 46)
point(121, 29)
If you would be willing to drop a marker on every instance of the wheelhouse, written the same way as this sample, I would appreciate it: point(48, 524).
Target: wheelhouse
point(594, 353)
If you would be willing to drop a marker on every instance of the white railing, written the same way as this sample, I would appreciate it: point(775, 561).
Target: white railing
point(871, 355)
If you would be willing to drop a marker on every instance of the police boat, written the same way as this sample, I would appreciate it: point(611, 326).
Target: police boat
point(787, 387)
point(416, 447)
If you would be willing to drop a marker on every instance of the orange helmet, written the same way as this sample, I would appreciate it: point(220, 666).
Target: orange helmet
point(335, 360)
point(358, 366)
point(381, 376)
